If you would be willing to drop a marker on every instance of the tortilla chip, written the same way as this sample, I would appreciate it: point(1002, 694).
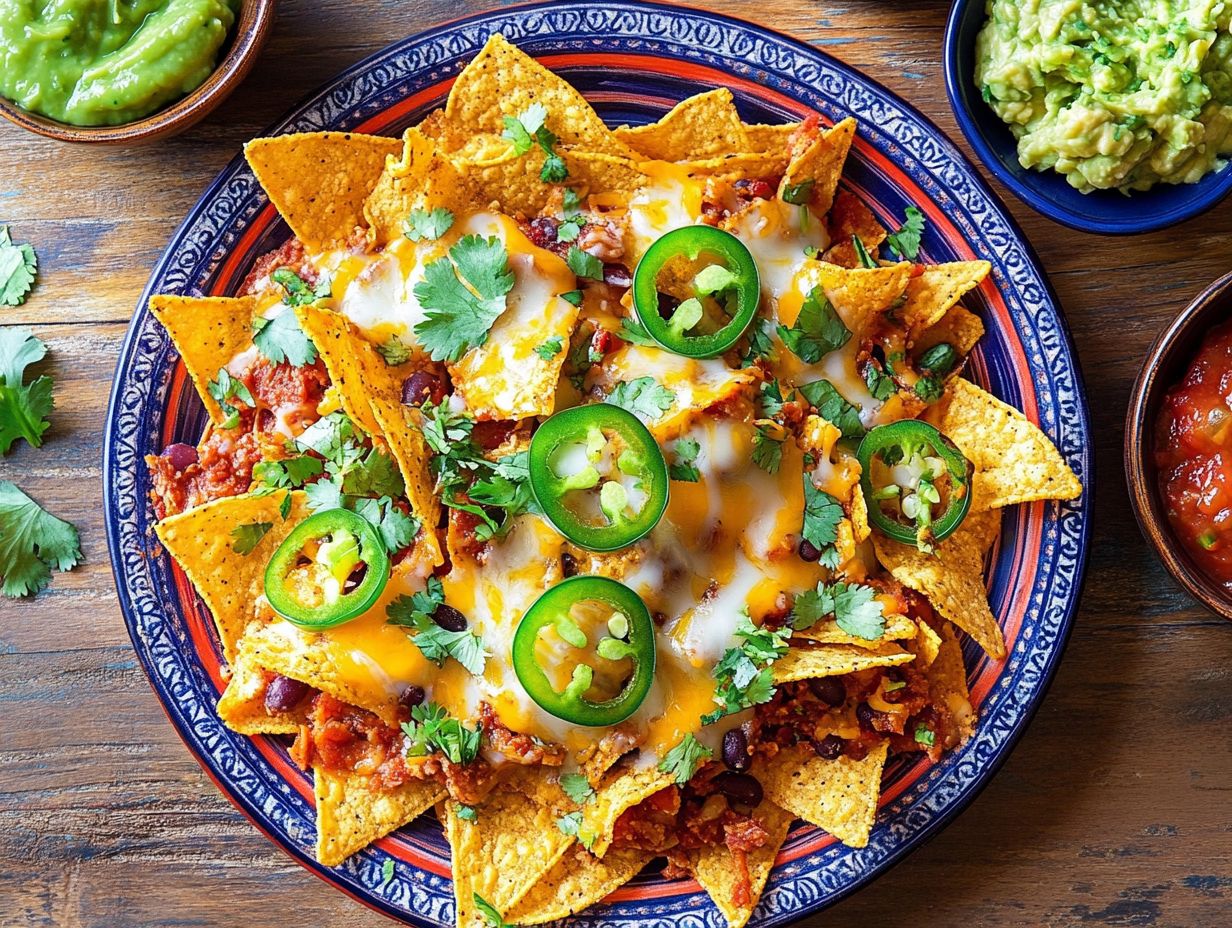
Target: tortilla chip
point(623, 789)
point(1014, 461)
point(933, 292)
point(838, 796)
point(242, 704)
point(927, 644)
point(957, 327)
point(805, 662)
point(200, 542)
point(947, 681)
point(847, 217)
point(578, 881)
point(712, 866)
point(864, 292)
point(736, 166)
point(318, 181)
point(208, 332)
point(512, 843)
point(859, 514)
point(770, 138)
point(897, 628)
point(705, 125)
point(352, 812)
point(952, 579)
point(423, 178)
point(822, 163)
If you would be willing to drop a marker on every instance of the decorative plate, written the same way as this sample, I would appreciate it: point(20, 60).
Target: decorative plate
point(633, 61)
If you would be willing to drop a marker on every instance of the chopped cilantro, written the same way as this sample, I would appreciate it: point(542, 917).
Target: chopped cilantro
point(798, 194)
point(572, 296)
point(395, 527)
point(375, 474)
point(248, 536)
point(571, 825)
point(818, 330)
point(854, 606)
point(584, 264)
point(228, 391)
point(432, 730)
point(866, 260)
point(284, 508)
point(925, 736)
point(394, 351)
point(436, 643)
point(32, 542)
point(281, 339)
point(462, 295)
point(287, 473)
point(18, 269)
point(572, 221)
point(767, 450)
point(466, 813)
point(822, 514)
point(683, 760)
point(427, 225)
point(906, 241)
point(528, 129)
point(642, 397)
point(743, 672)
point(577, 788)
point(761, 345)
point(488, 911)
point(770, 398)
point(296, 291)
point(550, 348)
point(880, 385)
point(23, 407)
point(684, 467)
point(387, 871)
point(938, 360)
point(833, 407)
point(632, 331)
point(929, 389)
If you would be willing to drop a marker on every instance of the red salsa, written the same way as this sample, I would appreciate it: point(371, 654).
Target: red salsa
point(1193, 451)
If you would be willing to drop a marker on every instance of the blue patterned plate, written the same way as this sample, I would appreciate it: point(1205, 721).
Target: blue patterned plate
point(633, 61)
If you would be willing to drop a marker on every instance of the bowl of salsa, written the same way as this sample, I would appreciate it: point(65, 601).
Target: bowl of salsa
point(101, 71)
point(1178, 447)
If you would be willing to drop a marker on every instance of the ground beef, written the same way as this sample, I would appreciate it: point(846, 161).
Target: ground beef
point(515, 746)
point(225, 459)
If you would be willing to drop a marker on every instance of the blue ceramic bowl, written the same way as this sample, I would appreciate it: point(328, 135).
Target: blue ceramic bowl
point(1046, 192)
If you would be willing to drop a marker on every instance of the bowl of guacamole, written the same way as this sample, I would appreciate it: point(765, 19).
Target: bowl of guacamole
point(1112, 117)
point(123, 70)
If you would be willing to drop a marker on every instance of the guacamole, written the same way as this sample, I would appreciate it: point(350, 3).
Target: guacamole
point(106, 62)
point(1113, 94)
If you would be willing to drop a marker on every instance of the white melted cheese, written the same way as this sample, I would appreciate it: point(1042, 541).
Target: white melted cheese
point(672, 201)
point(777, 234)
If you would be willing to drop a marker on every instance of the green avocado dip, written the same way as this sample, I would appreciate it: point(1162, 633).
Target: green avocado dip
point(1113, 94)
point(106, 62)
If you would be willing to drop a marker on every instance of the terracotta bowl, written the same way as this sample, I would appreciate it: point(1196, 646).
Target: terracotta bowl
point(1165, 365)
point(240, 51)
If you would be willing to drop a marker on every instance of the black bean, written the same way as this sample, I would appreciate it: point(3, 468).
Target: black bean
point(739, 787)
point(829, 747)
point(808, 551)
point(412, 696)
point(180, 456)
point(617, 275)
point(283, 694)
point(736, 750)
point(865, 713)
point(568, 565)
point(543, 231)
point(449, 618)
point(829, 690)
point(667, 305)
point(420, 387)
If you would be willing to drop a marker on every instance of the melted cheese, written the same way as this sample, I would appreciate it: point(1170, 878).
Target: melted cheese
point(777, 234)
point(672, 201)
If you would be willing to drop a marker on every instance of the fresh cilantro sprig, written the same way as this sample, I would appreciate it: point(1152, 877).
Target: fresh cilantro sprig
point(550, 348)
point(436, 643)
point(32, 542)
point(684, 759)
point(767, 449)
point(529, 128)
point(866, 260)
point(822, 515)
point(395, 527)
point(18, 270)
point(296, 291)
point(289, 473)
point(880, 384)
point(744, 672)
point(817, 331)
point(280, 338)
point(246, 537)
point(432, 730)
point(572, 220)
point(761, 345)
point(24, 408)
point(854, 607)
point(230, 392)
point(906, 240)
point(394, 351)
point(463, 294)
point(632, 331)
point(643, 397)
point(571, 825)
point(584, 264)
point(833, 407)
point(684, 464)
point(577, 788)
point(427, 225)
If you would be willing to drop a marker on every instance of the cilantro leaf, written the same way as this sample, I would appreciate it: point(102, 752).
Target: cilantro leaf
point(296, 291)
point(770, 398)
point(327, 435)
point(584, 264)
point(248, 536)
point(854, 606)
point(466, 813)
point(287, 473)
point(436, 643)
point(463, 294)
point(324, 494)
point(375, 474)
point(767, 450)
point(818, 330)
point(632, 331)
point(432, 730)
point(906, 241)
point(427, 225)
point(577, 788)
point(822, 514)
point(798, 194)
point(571, 825)
point(573, 297)
point(32, 542)
point(743, 672)
point(550, 348)
point(684, 759)
point(833, 407)
point(684, 467)
point(760, 343)
point(281, 339)
point(395, 527)
point(925, 736)
point(387, 871)
point(642, 397)
point(528, 129)
point(880, 385)
point(18, 270)
point(394, 351)
point(488, 911)
point(866, 260)
point(228, 391)
point(23, 408)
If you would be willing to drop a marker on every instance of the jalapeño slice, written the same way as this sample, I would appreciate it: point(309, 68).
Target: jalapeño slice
point(916, 482)
point(715, 281)
point(623, 641)
point(598, 475)
point(309, 581)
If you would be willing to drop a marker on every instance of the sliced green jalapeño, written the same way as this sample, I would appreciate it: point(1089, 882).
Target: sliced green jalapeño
point(916, 482)
point(716, 301)
point(309, 581)
point(623, 641)
point(599, 476)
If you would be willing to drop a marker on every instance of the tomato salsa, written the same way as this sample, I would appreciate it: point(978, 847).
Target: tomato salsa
point(1193, 451)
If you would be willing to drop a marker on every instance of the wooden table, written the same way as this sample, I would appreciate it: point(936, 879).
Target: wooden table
point(1115, 810)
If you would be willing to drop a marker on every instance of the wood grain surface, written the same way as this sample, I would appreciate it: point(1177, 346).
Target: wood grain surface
point(1115, 810)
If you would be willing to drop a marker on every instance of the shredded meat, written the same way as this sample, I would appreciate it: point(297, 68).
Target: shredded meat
point(225, 459)
point(290, 254)
point(515, 746)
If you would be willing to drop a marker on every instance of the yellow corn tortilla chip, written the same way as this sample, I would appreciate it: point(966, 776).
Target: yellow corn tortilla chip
point(735, 166)
point(511, 844)
point(953, 580)
point(958, 327)
point(933, 292)
point(713, 868)
point(318, 181)
point(200, 541)
point(208, 332)
point(765, 138)
point(838, 796)
point(861, 293)
point(622, 790)
point(352, 812)
point(805, 662)
point(423, 178)
point(578, 881)
point(847, 217)
point(897, 628)
point(927, 644)
point(705, 125)
point(822, 163)
point(1014, 461)
point(242, 704)
point(947, 681)
point(859, 514)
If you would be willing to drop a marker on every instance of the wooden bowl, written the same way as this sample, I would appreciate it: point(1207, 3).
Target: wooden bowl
point(238, 54)
point(1165, 364)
